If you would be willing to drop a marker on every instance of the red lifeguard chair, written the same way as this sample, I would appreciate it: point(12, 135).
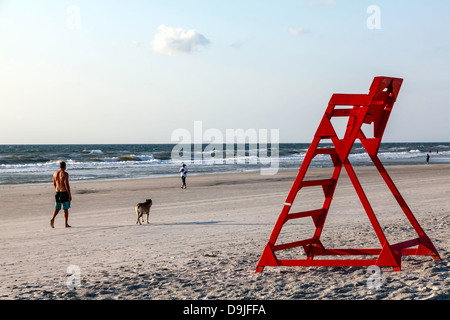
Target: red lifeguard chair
point(373, 108)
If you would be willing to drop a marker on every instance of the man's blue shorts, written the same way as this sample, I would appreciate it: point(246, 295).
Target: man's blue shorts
point(62, 200)
point(65, 205)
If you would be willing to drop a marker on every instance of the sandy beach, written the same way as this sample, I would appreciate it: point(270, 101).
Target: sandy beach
point(204, 242)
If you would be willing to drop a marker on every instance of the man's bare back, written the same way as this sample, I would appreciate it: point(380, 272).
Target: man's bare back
point(61, 181)
point(63, 195)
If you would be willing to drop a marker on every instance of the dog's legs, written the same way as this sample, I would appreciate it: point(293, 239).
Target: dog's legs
point(147, 216)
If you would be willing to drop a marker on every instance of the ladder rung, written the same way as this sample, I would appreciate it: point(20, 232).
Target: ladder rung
point(320, 182)
point(303, 214)
point(350, 99)
point(325, 151)
point(292, 244)
point(344, 112)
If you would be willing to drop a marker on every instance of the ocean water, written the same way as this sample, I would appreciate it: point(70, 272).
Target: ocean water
point(25, 164)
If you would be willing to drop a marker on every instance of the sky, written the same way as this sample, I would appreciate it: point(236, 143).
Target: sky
point(102, 71)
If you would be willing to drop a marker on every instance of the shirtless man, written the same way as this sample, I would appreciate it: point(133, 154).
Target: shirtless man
point(63, 195)
point(183, 170)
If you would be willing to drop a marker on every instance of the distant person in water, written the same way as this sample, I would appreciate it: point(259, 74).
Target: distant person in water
point(63, 195)
point(428, 158)
point(183, 170)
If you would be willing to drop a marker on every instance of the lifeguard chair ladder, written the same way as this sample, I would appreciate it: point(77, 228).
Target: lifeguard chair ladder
point(375, 108)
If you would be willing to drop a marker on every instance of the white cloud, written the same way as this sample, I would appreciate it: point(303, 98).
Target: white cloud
point(171, 40)
point(135, 44)
point(296, 31)
point(321, 3)
point(237, 44)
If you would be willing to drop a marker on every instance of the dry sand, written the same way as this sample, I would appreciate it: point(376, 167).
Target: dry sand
point(204, 242)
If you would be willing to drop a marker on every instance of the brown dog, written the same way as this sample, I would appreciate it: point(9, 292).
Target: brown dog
point(143, 208)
